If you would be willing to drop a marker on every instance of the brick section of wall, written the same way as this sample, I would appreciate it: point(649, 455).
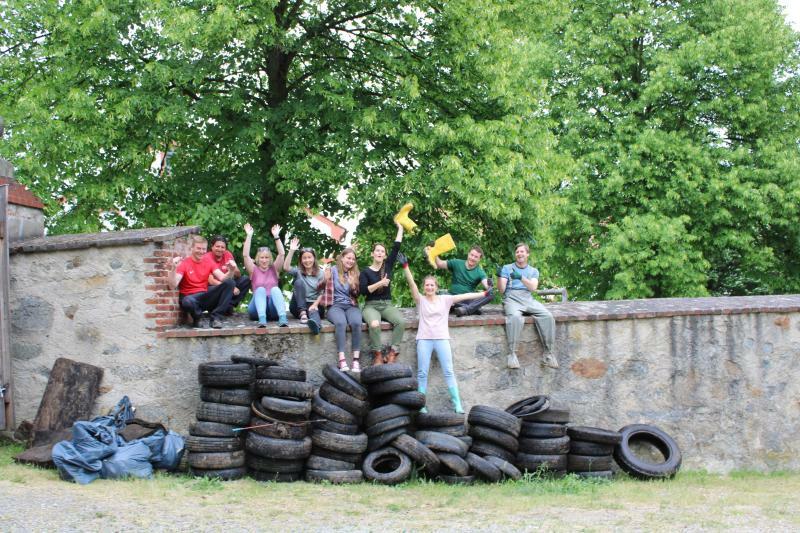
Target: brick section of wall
point(163, 311)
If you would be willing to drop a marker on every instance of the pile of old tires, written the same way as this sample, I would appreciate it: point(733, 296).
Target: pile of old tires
point(543, 441)
point(495, 435)
point(392, 390)
point(590, 451)
point(277, 442)
point(215, 449)
point(445, 434)
point(338, 442)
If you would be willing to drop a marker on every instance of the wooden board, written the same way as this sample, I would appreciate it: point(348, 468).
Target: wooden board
point(69, 396)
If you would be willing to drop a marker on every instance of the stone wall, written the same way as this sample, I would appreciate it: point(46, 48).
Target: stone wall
point(717, 373)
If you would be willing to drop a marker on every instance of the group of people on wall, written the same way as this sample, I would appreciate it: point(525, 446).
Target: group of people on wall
point(211, 281)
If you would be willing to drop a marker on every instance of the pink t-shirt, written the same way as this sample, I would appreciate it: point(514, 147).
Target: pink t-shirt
point(433, 317)
point(264, 278)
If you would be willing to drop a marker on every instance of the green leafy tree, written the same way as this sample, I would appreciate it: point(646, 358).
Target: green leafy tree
point(272, 107)
point(682, 118)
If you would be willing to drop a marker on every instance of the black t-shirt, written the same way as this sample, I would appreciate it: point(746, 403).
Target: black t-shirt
point(369, 277)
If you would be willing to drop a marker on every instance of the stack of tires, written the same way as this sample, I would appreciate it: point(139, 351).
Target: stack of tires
point(494, 433)
point(543, 441)
point(393, 394)
point(590, 451)
point(277, 442)
point(446, 435)
point(338, 442)
point(215, 449)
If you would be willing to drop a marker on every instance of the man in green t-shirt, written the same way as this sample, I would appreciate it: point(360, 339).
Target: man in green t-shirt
point(466, 275)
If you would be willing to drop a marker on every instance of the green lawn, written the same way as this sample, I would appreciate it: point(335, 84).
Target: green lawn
point(741, 500)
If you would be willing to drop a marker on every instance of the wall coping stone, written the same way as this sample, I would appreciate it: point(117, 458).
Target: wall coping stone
point(562, 312)
point(77, 241)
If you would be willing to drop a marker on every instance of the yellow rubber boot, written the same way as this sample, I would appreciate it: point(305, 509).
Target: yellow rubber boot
point(442, 245)
point(402, 218)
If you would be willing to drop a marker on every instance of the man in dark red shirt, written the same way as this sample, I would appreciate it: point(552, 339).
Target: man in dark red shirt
point(190, 277)
point(222, 259)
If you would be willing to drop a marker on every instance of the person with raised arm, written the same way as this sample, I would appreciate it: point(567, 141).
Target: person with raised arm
point(516, 282)
point(308, 280)
point(433, 333)
point(374, 283)
point(190, 276)
point(267, 301)
point(338, 298)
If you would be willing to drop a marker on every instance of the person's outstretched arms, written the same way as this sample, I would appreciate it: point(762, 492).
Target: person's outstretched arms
point(249, 265)
point(276, 234)
point(411, 283)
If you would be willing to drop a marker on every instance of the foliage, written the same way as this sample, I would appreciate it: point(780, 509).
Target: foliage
point(271, 107)
point(683, 121)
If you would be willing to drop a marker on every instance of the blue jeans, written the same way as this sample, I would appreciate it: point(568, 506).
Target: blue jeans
point(263, 307)
point(445, 356)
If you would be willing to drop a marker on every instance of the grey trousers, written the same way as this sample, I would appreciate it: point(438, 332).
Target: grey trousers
point(517, 304)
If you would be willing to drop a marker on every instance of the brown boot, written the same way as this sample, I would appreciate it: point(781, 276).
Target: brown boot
point(377, 357)
point(392, 355)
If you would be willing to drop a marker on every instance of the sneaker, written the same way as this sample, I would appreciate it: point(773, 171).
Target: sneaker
point(548, 359)
point(314, 327)
point(513, 362)
point(214, 324)
point(303, 317)
point(458, 311)
point(343, 365)
point(356, 366)
point(261, 325)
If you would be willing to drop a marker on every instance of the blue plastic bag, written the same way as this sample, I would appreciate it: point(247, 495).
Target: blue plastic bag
point(132, 460)
point(167, 448)
point(81, 459)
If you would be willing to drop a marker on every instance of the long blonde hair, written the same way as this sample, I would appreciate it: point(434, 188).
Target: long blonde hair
point(353, 275)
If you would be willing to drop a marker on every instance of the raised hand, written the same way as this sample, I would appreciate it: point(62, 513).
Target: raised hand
point(172, 263)
point(276, 230)
point(294, 244)
point(248, 229)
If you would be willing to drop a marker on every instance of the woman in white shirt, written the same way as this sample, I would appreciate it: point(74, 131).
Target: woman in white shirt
point(433, 333)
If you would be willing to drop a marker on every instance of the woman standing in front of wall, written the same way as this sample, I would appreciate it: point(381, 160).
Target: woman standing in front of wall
point(433, 333)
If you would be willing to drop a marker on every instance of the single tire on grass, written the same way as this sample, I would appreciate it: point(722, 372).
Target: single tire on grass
point(336, 477)
point(223, 474)
point(633, 465)
point(387, 466)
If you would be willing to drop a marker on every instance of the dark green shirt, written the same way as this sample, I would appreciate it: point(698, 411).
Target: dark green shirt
point(464, 279)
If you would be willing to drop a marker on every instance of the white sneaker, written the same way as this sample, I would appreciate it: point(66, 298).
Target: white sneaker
point(548, 359)
point(513, 362)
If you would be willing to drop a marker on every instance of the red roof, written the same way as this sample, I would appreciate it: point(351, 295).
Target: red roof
point(18, 194)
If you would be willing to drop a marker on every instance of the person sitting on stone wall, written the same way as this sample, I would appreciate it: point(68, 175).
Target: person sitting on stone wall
point(467, 274)
point(267, 301)
point(190, 276)
point(516, 282)
point(222, 258)
point(308, 278)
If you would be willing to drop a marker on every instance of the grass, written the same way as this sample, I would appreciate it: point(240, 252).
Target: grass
point(694, 499)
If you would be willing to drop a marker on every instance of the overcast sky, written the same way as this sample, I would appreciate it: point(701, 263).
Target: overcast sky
point(792, 8)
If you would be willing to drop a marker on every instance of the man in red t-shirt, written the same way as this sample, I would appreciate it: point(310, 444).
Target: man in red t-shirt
point(223, 259)
point(190, 277)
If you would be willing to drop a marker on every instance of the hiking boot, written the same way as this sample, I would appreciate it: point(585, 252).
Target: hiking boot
point(512, 362)
point(391, 355)
point(549, 360)
point(377, 357)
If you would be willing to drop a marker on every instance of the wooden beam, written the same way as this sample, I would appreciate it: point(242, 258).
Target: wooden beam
point(6, 381)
